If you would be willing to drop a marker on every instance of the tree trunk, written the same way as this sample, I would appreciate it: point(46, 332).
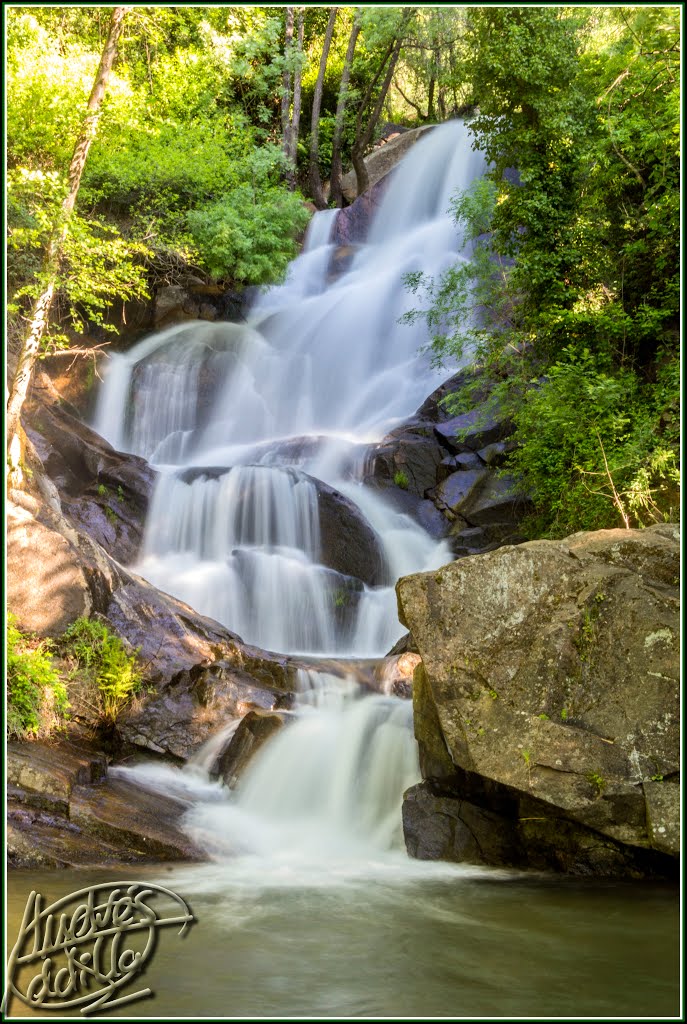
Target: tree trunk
point(295, 121)
point(335, 195)
point(314, 172)
point(40, 312)
point(431, 112)
point(286, 84)
point(363, 139)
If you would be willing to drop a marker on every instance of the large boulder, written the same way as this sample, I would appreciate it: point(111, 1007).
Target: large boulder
point(547, 704)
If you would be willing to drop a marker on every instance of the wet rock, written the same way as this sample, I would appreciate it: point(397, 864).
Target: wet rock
point(183, 713)
point(456, 464)
point(352, 224)
point(434, 522)
point(548, 694)
point(103, 493)
point(441, 828)
point(394, 674)
point(254, 730)
point(454, 494)
point(138, 821)
point(410, 455)
point(499, 499)
point(349, 544)
point(63, 810)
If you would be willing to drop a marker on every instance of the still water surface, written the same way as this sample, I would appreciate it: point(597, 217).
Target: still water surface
point(394, 940)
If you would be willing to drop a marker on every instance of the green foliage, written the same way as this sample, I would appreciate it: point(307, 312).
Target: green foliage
point(248, 236)
point(600, 468)
point(597, 781)
point(36, 696)
point(111, 670)
point(401, 479)
point(569, 301)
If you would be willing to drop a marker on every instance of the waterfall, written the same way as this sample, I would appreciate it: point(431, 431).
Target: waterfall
point(246, 424)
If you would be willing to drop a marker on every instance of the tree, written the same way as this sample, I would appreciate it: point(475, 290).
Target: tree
point(296, 117)
point(335, 191)
point(40, 312)
point(286, 83)
point(314, 170)
point(364, 130)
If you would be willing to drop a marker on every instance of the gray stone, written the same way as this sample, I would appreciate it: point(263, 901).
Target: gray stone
point(550, 674)
point(471, 431)
point(457, 492)
point(254, 730)
point(499, 499)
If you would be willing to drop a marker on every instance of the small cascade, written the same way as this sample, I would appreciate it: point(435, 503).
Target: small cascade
point(330, 782)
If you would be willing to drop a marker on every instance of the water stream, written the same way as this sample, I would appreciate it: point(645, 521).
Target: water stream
point(309, 904)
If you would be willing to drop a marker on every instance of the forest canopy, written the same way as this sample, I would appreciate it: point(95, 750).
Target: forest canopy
point(219, 123)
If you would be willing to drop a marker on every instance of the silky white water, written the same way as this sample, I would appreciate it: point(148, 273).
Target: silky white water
point(245, 423)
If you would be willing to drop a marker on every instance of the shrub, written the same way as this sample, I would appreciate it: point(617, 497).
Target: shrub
point(36, 696)
point(110, 670)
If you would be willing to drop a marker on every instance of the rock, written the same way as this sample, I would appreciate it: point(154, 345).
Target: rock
point(441, 828)
point(410, 454)
point(349, 544)
point(405, 644)
point(253, 732)
point(471, 431)
point(455, 493)
point(141, 822)
point(63, 810)
point(182, 714)
point(498, 499)
point(341, 260)
point(174, 304)
point(394, 674)
point(47, 586)
point(477, 539)
point(382, 159)
point(103, 493)
point(434, 522)
point(352, 224)
point(494, 455)
point(548, 693)
point(458, 463)
point(47, 773)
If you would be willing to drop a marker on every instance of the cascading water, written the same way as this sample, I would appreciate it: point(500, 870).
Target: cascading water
point(243, 421)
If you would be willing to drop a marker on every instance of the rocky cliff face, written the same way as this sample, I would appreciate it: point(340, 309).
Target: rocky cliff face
point(547, 705)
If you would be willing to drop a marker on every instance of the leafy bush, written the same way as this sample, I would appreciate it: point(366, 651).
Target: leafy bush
point(36, 696)
point(111, 671)
point(592, 451)
point(248, 236)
